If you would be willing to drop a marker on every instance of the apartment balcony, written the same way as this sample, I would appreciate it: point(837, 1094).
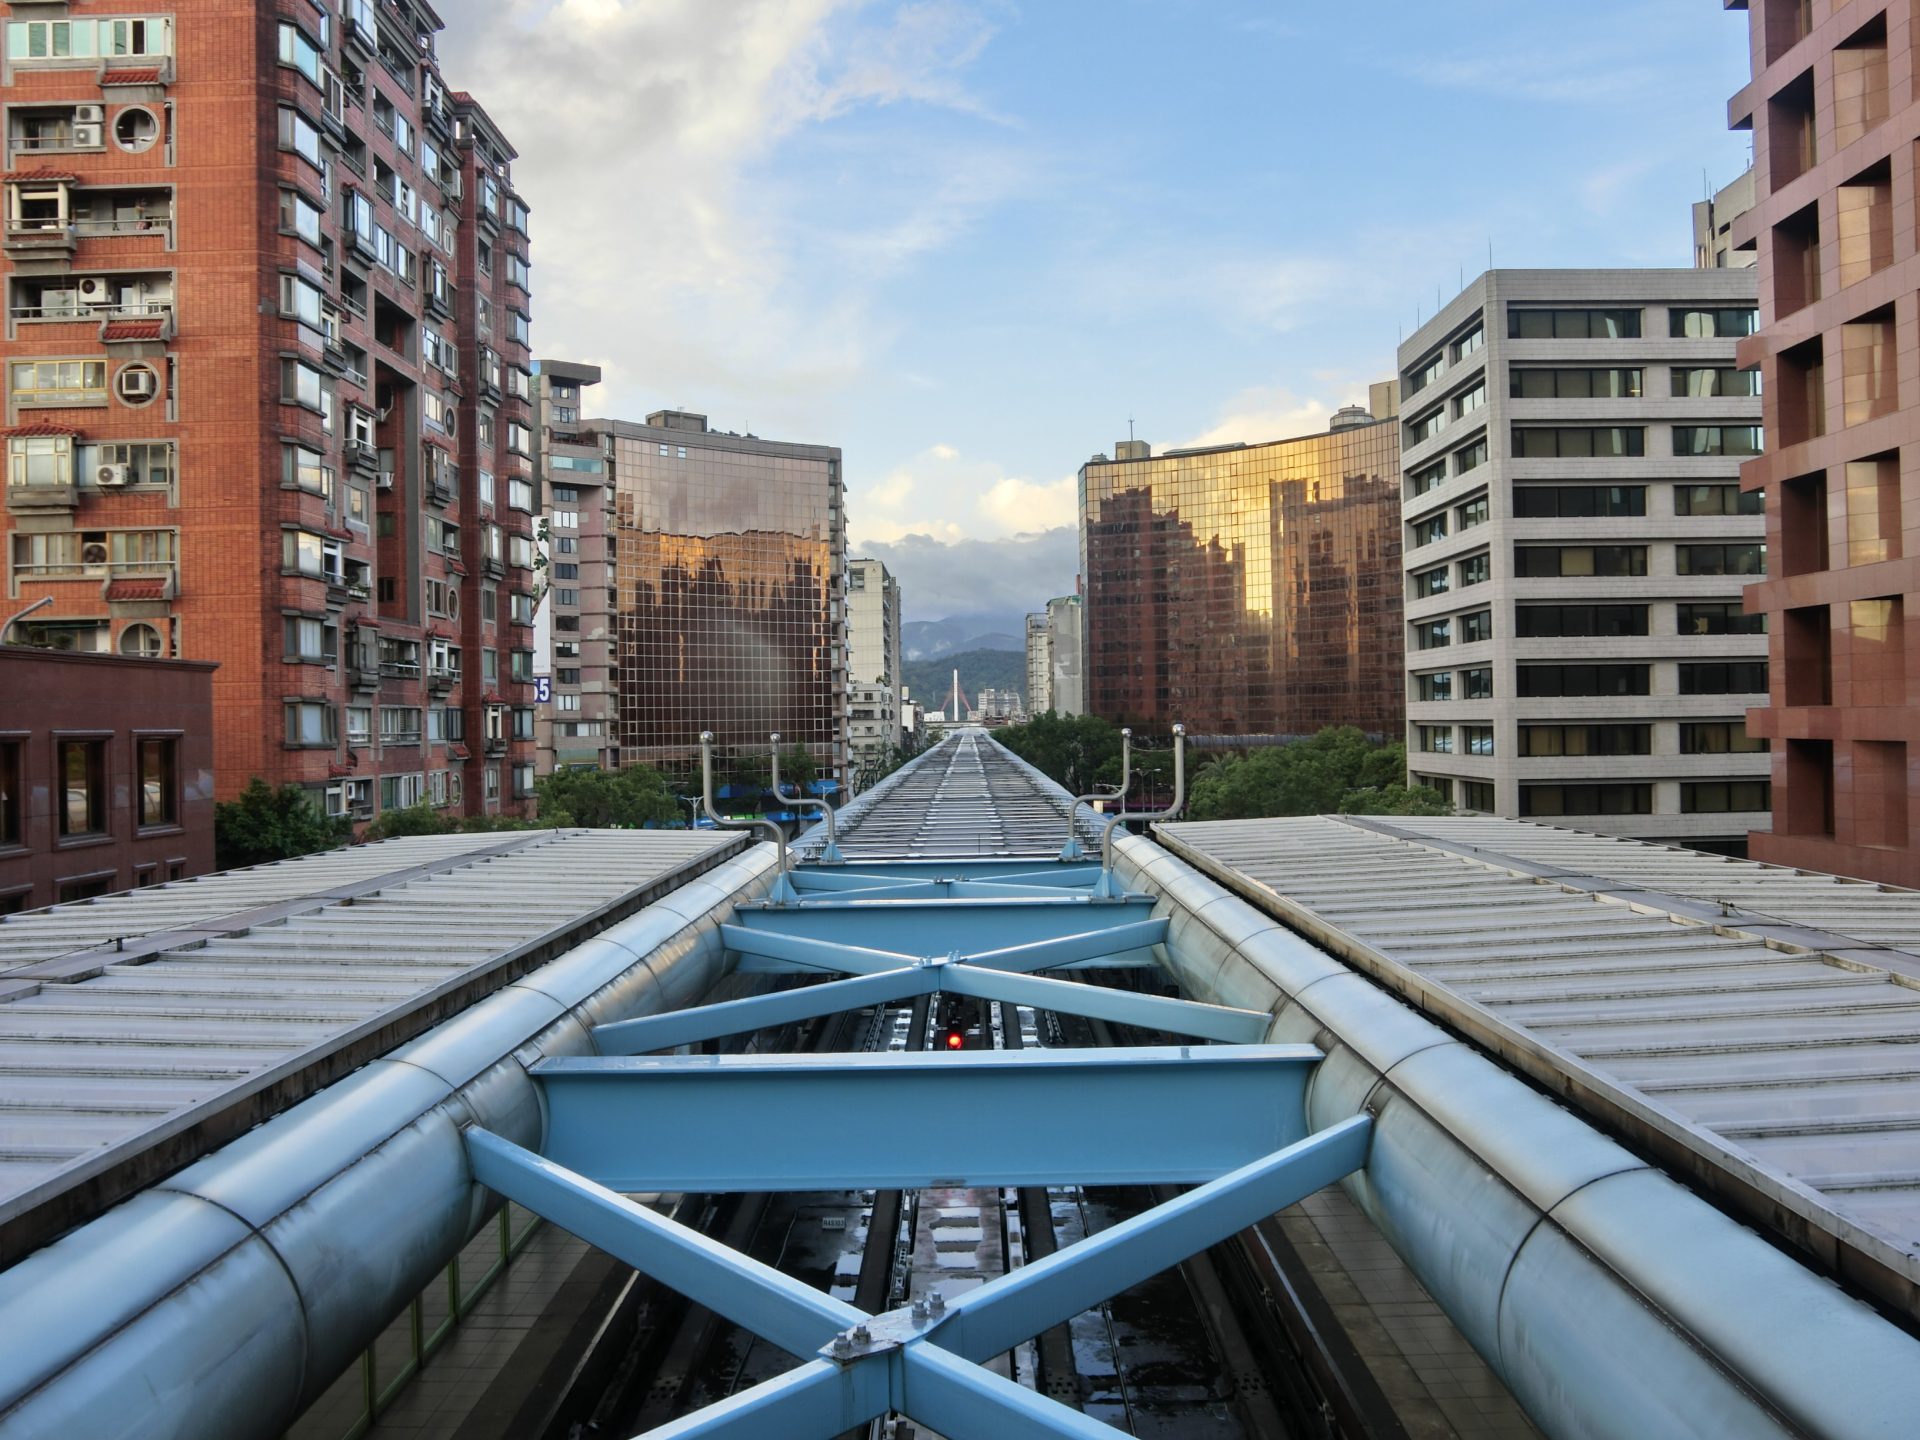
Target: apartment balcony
point(399, 670)
point(495, 745)
point(363, 677)
point(131, 78)
point(441, 679)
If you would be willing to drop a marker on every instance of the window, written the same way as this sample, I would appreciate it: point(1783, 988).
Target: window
point(359, 725)
point(1433, 528)
point(1433, 739)
point(1743, 559)
point(1716, 440)
point(1436, 685)
point(83, 787)
point(1419, 482)
point(1718, 500)
point(310, 723)
point(1477, 684)
point(1473, 513)
point(1476, 627)
point(1469, 343)
point(1716, 618)
point(298, 134)
point(299, 52)
point(89, 39)
point(1468, 401)
point(563, 520)
point(1724, 677)
point(566, 702)
point(1718, 324)
point(1470, 457)
point(58, 382)
point(159, 782)
point(302, 384)
point(303, 469)
point(1545, 622)
point(519, 438)
point(1725, 796)
point(1720, 737)
point(399, 725)
point(312, 639)
point(1534, 682)
point(142, 640)
point(1422, 428)
point(1578, 442)
point(1476, 739)
point(520, 493)
point(300, 216)
point(1426, 373)
point(402, 792)
point(562, 570)
point(520, 665)
point(1476, 795)
point(1614, 383)
point(304, 553)
point(1476, 570)
point(1572, 324)
point(1586, 800)
point(566, 596)
point(1714, 380)
point(40, 460)
point(1557, 740)
point(1432, 634)
point(1543, 502)
point(1428, 583)
point(1567, 561)
point(12, 795)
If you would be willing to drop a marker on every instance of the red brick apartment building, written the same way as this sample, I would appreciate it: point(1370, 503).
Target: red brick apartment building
point(267, 385)
point(1834, 106)
point(106, 774)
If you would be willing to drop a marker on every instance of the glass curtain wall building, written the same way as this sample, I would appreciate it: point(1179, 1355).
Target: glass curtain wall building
point(1247, 589)
point(730, 559)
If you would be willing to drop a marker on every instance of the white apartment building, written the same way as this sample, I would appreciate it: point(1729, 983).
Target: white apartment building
point(873, 668)
point(1066, 651)
point(1039, 664)
point(1576, 547)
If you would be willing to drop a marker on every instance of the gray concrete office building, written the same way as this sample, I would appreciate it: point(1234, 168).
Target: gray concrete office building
point(873, 666)
point(1576, 549)
point(1067, 649)
point(1039, 664)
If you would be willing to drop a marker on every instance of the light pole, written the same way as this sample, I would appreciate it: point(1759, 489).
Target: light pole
point(21, 615)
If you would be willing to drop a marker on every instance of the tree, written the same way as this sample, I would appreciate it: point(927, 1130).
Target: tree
point(266, 824)
point(1335, 772)
point(605, 799)
point(1074, 751)
point(417, 819)
point(796, 769)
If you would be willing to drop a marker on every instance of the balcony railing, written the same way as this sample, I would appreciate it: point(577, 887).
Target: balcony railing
point(72, 310)
point(400, 669)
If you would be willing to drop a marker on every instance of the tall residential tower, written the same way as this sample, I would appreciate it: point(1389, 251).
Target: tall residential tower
point(873, 660)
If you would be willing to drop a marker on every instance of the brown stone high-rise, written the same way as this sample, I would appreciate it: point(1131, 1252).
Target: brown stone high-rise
point(267, 386)
point(1834, 106)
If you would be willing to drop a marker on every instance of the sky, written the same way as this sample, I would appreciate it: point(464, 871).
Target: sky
point(970, 241)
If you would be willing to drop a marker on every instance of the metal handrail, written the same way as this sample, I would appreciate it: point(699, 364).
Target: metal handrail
point(831, 854)
point(783, 890)
point(1071, 850)
point(1106, 885)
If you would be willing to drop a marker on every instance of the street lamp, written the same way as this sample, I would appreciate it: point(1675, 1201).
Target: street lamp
point(21, 615)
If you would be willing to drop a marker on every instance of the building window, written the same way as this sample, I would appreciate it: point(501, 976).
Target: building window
point(1469, 343)
point(297, 133)
point(1428, 583)
point(58, 382)
point(1476, 739)
point(1578, 442)
point(1476, 627)
point(1476, 570)
point(1477, 684)
point(1553, 741)
point(1425, 374)
point(1718, 500)
point(1572, 324)
point(1473, 513)
point(1546, 622)
point(1470, 457)
point(1535, 682)
point(1574, 561)
point(83, 787)
point(1433, 634)
point(1615, 383)
point(1586, 800)
point(1476, 795)
point(1720, 737)
point(40, 460)
point(1577, 502)
point(302, 384)
point(1723, 677)
point(1434, 739)
point(1716, 324)
point(1433, 528)
point(12, 796)
point(1468, 401)
point(1718, 617)
point(1419, 430)
point(1746, 559)
point(1435, 685)
point(159, 782)
point(1719, 797)
point(1714, 380)
point(1716, 440)
point(310, 723)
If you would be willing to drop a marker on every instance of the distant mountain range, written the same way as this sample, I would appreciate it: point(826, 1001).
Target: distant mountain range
point(930, 639)
point(930, 681)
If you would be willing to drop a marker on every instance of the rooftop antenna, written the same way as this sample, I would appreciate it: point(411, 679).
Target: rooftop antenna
point(1129, 429)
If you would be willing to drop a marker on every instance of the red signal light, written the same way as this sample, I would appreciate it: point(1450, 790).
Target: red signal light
point(955, 1040)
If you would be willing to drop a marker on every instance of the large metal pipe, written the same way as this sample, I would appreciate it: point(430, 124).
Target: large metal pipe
point(222, 1302)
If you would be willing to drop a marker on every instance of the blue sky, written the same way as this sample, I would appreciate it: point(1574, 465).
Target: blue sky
point(965, 239)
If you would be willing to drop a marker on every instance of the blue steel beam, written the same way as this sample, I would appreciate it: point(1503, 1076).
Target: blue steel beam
point(922, 927)
point(820, 1399)
point(957, 1397)
point(703, 1123)
point(1149, 1012)
point(789, 1312)
point(1089, 944)
point(798, 953)
point(1000, 1314)
point(784, 1007)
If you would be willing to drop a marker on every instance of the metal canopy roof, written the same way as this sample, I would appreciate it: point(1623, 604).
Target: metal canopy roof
point(1758, 1028)
point(138, 1031)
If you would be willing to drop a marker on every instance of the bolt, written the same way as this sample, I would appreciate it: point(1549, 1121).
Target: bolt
point(842, 1345)
point(937, 1303)
point(862, 1334)
point(920, 1309)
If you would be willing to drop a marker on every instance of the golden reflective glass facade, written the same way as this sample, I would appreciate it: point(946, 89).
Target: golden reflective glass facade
point(729, 554)
point(1251, 590)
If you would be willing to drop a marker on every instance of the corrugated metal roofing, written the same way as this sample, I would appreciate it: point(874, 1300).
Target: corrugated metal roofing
point(1759, 1025)
point(130, 1020)
point(964, 798)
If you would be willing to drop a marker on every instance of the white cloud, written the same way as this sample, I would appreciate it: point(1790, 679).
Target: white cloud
point(995, 580)
point(1274, 412)
point(941, 492)
point(1017, 506)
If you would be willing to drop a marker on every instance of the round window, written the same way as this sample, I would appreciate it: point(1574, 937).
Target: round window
point(453, 603)
point(135, 129)
point(136, 384)
point(141, 640)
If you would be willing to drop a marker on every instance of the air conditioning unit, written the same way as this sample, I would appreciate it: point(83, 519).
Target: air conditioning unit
point(95, 290)
point(87, 137)
point(94, 552)
point(138, 382)
point(386, 479)
point(112, 475)
point(89, 114)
